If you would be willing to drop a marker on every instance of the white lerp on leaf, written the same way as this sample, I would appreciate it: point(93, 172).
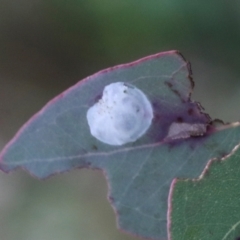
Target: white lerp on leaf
point(122, 115)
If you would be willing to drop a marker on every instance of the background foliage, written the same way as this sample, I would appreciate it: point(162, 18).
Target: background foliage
point(47, 46)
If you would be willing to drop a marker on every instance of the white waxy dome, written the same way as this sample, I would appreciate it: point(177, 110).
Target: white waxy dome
point(122, 115)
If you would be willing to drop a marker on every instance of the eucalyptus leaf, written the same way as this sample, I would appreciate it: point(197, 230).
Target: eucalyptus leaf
point(208, 208)
point(178, 144)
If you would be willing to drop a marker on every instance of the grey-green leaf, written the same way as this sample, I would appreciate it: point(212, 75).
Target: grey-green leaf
point(139, 173)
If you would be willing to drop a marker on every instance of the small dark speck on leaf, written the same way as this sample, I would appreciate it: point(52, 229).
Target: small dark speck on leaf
point(178, 94)
point(97, 98)
point(223, 154)
point(94, 147)
point(168, 84)
point(238, 238)
point(156, 118)
point(189, 67)
point(190, 111)
point(157, 215)
point(210, 232)
point(87, 164)
point(111, 199)
point(180, 119)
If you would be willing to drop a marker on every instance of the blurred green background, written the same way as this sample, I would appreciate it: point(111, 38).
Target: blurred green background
point(48, 45)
